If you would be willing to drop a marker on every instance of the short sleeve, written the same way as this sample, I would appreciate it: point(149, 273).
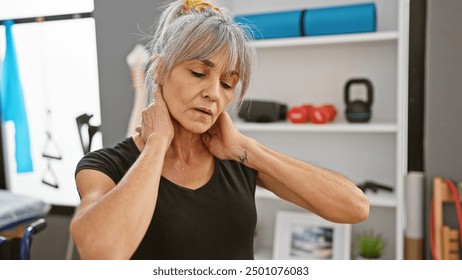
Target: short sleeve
point(112, 161)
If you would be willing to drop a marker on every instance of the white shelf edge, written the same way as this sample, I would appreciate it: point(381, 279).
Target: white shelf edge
point(309, 127)
point(327, 39)
point(380, 199)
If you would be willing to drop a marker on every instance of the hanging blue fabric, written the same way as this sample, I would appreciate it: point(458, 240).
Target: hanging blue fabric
point(12, 103)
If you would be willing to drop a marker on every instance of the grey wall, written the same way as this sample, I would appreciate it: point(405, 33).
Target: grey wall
point(119, 25)
point(443, 129)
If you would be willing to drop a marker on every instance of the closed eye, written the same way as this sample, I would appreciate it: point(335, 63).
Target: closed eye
point(225, 85)
point(197, 74)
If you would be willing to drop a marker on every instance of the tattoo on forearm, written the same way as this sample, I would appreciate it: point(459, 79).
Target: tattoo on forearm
point(243, 158)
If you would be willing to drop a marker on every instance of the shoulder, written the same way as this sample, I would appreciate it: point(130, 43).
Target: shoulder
point(235, 176)
point(234, 168)
point(113, 161)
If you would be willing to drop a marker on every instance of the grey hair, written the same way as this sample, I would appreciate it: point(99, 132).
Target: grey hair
point(199, 35)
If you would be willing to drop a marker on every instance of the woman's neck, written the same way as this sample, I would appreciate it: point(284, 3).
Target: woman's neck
point(187, 146)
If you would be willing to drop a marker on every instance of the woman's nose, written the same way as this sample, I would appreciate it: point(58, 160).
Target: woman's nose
point(212, 92)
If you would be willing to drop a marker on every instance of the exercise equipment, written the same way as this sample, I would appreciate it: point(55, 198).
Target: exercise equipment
point(314, 114)
point(12, 103)
point(262, 111)
point(322, 114)
point(298, 114)
point(86, 131)
point(20, 218)
point(414, 201)
point(445, 242)
point(374, 187)
point(358, 111)
point(51, 152)
point(339, 19)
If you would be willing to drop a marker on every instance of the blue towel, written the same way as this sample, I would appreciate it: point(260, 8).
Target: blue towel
point(12, 103)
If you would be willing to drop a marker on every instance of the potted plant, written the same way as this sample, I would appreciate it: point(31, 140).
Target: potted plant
point(370, 245)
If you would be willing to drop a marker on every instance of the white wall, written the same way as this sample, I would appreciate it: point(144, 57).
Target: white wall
point(58, 70)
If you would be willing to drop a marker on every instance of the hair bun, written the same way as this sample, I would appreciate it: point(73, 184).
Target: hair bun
point(197, 6)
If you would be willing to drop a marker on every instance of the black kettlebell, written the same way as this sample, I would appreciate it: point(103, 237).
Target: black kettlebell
point(358, 110)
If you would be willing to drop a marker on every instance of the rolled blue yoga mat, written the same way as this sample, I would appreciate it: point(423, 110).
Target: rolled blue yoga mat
point(311, 22)
point(273, 25)
point(340, 20)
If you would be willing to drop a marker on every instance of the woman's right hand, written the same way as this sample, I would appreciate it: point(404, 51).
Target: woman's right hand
point(156, 120)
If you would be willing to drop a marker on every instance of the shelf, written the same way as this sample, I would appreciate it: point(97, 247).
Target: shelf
point(376, 150)
point(309, 127)
point(380, 199)
point(330, 39)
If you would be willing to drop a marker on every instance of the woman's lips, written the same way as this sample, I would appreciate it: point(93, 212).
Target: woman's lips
point(204, 110)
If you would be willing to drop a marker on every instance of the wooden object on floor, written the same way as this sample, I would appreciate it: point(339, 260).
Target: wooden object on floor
point(450, 244)
point(446, 239)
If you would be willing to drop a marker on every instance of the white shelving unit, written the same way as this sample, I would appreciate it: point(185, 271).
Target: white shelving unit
point(314, 70)
point(375, 199)
point(325, 40)
point(328, 127)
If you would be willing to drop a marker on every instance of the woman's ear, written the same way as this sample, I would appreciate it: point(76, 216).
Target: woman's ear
point(158, 63)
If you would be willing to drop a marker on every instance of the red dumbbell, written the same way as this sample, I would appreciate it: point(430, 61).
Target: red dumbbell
point(332, 111)
point(298, 114)
point(322, 114)
point(319, 115)
point(309, 113)
point(309, 108)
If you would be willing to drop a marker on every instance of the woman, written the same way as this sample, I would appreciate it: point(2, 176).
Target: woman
point(183, 186)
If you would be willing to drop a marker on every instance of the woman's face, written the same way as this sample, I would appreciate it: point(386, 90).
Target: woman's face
point(197, 92)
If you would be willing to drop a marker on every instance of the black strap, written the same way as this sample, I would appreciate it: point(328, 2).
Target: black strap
point(302, 23)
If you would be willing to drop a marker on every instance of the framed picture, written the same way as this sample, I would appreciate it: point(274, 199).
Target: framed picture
point(307, 236)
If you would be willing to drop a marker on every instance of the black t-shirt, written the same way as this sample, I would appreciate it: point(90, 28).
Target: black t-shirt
point(216, 221)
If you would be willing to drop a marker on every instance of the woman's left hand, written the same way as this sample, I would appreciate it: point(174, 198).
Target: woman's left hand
point(223, 139)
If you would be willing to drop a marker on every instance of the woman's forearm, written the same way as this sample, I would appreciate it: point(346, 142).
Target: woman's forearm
point(113, 225)
point(319, 190)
